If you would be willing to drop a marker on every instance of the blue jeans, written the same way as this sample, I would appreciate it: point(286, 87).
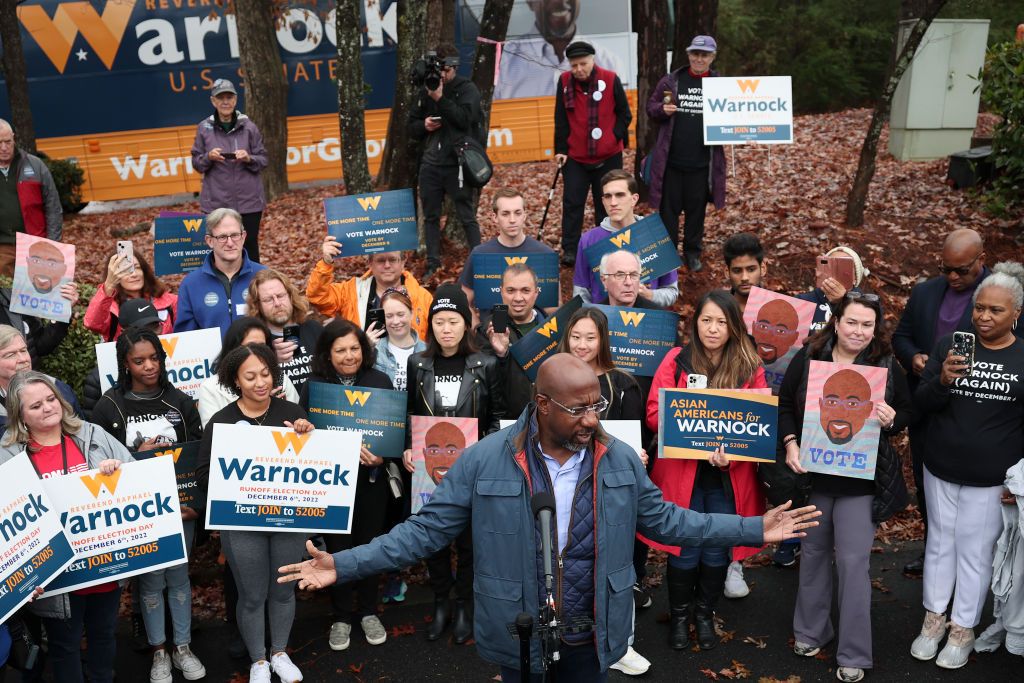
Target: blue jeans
point(711, 501)
point(179, 598)
point(96, 613)
point(578, 664)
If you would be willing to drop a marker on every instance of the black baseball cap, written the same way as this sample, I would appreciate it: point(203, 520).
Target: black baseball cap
point(138, 313)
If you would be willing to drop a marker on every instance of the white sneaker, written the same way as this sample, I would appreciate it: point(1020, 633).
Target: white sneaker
point(339, 637)
point(849, 674)
point(958, 648)
point(160, 672)
point(632, 663)
point(373, 630)
point(185, 660)
point(259, 672)
point(927, 642)
point(282, 665)
point(805, 649)
point(735, 586)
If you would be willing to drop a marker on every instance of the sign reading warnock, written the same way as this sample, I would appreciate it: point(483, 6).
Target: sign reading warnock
point(372, 223)
point(750, 109)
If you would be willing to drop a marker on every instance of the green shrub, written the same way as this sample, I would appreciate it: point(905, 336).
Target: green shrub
point(69, 177)
point(1002, 93)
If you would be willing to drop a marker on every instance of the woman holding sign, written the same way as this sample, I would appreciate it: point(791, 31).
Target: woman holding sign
point(252, 373)
point(344, 356)
point(452, 378)
point(722, 355)
point(851, 507)
point(145, 412)
point(43, 428)
point(129, 277)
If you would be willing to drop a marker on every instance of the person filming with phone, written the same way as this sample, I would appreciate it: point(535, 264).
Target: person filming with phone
point(973, 396)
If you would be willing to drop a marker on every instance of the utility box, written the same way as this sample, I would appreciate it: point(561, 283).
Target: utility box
point(935, 106)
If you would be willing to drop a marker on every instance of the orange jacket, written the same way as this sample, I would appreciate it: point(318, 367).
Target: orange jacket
point(348, 299)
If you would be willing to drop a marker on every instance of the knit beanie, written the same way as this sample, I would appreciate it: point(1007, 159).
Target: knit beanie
point(450, 297)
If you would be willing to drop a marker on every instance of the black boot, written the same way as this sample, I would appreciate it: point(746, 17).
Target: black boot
point(462, 627)
point(442, 615)
point(681, 585)
point(709, 589)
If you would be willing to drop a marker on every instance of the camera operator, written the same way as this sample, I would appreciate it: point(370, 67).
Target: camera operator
point(447, 111)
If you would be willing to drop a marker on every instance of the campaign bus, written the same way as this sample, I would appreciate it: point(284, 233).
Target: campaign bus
point(120, 85)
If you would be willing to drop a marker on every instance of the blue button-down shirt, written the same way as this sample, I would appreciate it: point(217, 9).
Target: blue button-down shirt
point(563, 480)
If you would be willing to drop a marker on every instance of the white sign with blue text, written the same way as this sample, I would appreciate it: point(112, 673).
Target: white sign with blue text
point(190, 357)
point(738, 110)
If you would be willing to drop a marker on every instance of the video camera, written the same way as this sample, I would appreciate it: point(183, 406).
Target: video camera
point(427, 71)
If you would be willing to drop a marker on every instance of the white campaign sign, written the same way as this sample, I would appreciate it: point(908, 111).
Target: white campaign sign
point(748, 109)
point(272, 479)
point(119, 525)
point(33, 548)
point(190, 357)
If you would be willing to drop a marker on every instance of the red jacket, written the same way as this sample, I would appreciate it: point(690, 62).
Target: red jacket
point(675, 477)
point(101, 315)
point(41, 211)
point(574, 123)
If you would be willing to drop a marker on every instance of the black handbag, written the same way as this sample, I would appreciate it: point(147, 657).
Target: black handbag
point(475, 168)
point(781, 484)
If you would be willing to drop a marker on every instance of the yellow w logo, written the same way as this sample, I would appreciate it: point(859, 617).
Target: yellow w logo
point(748, 84)
point(93, 482)
point(173, 452)
point(548, 328)
point(192, 224)
point(621, 238)
point(631, 317)
point(285, 439)
point(368, 202)
point(355, 397)
point(515, 259)
point(56, 36)
point(169, 344)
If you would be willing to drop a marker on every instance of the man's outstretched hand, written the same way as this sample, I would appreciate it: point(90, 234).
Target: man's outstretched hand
point(316, 573)
point(781, 523)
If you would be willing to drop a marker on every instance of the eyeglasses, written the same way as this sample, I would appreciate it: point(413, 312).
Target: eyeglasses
point(274, 298)
point(435, 451)
point(44, 262)
point(962, 271)
point(622, 277)
point(862, 296)
point(580, 411)
point(849, 403)
point(777, 330)
point(227, 237)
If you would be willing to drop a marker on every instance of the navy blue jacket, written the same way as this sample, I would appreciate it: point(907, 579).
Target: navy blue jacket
point(205, 300)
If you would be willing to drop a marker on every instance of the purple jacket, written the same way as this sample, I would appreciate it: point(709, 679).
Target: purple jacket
point(659, 154)
point(587, 284)
point(229, 183)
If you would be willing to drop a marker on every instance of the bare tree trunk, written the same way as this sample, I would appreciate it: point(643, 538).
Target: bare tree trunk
point(693, 18)
point(400, 158)
point(15, 76)
point(493, 27)
point(650, 17)
point(266, 87)
point(858, 197)
point(351, 98)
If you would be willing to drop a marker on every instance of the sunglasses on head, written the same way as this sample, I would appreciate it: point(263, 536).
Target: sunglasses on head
point(862, 296)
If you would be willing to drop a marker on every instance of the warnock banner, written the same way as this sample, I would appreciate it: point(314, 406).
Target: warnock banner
point(437, 442)
point(190, 357)
point(779, 325)
point(648, 239)
point(272, 479)
point(33, 547)
point(488, 270)
point(748, 109)
point(378, 414)
point(640, 338)
point(841, 428)
point(373, 223)
point(179, 243)
point(41, 267)
point(542, 341)
point(693, 423)
point(119, 524)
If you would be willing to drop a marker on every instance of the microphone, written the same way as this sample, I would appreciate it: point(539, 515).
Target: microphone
point(543, 505)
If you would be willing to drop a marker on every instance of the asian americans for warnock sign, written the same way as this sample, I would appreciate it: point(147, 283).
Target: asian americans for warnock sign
point(693, 423)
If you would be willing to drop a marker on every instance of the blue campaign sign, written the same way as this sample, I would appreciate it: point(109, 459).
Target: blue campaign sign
point(488, 269)
point(378, 413)
point(542, 341)
point(372, 223)
point(179, 244)
point(648, 239)
point(185, 456)
point(640, 338)
point(693, 423)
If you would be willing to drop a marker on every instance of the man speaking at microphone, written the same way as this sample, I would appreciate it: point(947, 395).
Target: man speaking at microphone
point(602, 498)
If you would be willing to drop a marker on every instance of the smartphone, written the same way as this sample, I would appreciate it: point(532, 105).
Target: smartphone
point(434, 118)
point(666, 96)
point(963, 345)
point(822, 271)
point(696, 381)
point(291, 333)
point(375, 316)
point(839, 268)
point(228, 155)
point(127, 250)
point(499, 318)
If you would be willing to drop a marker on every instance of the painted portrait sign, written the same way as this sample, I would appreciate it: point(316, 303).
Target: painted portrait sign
point(437, 442)
point(41, 267)
point(779, 325)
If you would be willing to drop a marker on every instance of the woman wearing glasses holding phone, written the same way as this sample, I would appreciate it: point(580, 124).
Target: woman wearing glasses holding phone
point(721, 356)
point(851, 507)
point(451, 377)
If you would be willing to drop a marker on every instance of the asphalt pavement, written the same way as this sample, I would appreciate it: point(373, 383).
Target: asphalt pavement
point(760, 624)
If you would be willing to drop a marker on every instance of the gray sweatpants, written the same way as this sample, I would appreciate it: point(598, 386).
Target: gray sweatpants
point(254, 557)
point(845, 529)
